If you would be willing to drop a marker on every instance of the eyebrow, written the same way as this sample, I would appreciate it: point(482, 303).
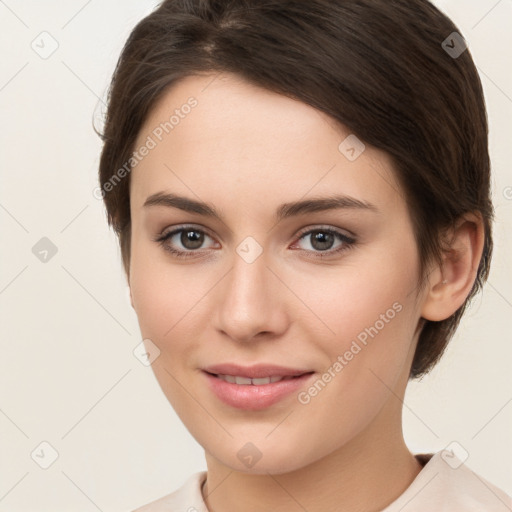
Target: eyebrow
point(284, 211)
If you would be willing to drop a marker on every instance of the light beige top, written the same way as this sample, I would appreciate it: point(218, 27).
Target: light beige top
point(443, 485)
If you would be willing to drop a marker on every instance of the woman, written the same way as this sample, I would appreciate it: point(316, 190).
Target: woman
point(301, 193)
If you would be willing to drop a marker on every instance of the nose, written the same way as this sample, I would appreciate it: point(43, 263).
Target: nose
point(252, 301)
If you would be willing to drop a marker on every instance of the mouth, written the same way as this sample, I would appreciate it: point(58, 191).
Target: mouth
point(254, 393)
point(259, 381)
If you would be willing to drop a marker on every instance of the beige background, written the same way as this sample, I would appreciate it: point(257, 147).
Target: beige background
point(67, 371)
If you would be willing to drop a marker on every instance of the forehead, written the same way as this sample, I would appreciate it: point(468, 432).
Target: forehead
point(219, 137)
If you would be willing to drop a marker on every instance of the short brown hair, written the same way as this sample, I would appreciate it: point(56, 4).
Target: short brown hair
point(379, 68)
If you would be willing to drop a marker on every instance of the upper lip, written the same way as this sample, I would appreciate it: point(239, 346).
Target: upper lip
point(254, 372)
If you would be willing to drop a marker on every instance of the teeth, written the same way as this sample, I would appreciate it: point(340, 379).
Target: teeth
point(245, 381)
point(242, 380)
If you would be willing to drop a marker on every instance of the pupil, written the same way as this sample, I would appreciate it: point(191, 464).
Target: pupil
point(192, 239)
point(325, 240)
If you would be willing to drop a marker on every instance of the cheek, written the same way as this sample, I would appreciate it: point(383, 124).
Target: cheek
point(162, 292)
point(158, 294)
point(373, 299)
point(378, 309)
point(371, 315)
point(365, 360)
point(165, 305)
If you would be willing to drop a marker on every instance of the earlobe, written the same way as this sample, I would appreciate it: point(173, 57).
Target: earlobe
point(450, 284)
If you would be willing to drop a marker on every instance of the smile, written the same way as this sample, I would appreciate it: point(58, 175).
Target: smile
point(245, 381)
point(254, 393)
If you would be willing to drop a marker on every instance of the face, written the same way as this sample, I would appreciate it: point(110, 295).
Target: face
point(323, 292)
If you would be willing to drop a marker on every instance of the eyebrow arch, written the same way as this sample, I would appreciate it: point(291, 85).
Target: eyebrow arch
point(284, 211)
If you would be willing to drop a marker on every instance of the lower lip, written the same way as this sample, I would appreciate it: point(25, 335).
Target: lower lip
point(251, 397)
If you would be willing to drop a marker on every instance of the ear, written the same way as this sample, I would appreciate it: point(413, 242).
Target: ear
point(450, 283)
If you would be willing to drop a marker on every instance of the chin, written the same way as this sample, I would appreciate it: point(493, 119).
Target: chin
point(277, 456)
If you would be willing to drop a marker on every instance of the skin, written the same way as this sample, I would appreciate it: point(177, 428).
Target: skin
point(246, 151)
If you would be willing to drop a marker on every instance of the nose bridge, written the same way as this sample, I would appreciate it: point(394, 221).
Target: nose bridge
point(252, 301)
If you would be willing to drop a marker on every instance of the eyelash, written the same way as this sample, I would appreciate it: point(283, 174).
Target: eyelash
point(347, 244)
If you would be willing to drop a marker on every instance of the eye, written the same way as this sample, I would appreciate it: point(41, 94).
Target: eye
point(188, 237)
point(185, 241)
point(323, 239)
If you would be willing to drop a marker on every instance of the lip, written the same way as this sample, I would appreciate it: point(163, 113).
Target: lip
point(255, 397)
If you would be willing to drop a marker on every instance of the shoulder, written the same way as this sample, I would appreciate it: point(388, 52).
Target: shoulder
point(448, 484)
point(187, 498)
